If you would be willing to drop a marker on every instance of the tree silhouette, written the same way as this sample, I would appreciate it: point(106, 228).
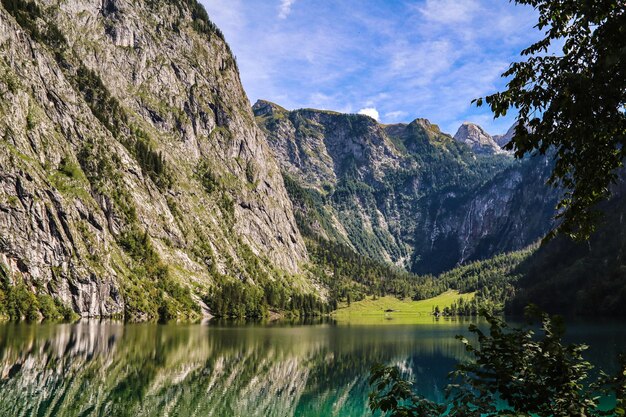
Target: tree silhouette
point(572, 102)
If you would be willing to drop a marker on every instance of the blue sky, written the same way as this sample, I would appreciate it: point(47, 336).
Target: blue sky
point(405, 59)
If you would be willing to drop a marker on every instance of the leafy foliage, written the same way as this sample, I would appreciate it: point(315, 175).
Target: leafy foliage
point(152, 162)
point(574, 102)
point(260, 289)
point(151, 290)
point(103, 105)
point(232, 298)
point(465, 308)
point(70, 168)
point(494, 280)
point(214, 186)
point(235, 299)
point(512, 372)
point(18, 301)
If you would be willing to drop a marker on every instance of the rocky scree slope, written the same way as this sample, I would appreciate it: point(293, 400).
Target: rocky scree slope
point(406, 193)
point(133, 178)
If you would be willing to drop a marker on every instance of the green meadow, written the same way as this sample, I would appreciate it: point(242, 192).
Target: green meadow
point(396, 311)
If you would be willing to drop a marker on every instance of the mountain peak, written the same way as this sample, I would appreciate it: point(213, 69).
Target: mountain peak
point(477, 138)
point(265, 107)
point(502, 140)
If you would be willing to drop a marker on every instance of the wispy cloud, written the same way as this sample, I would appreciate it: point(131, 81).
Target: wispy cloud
point(285, 8)
point(395, 116)
point(406, 59)
point(371, 112)
point(449, 11)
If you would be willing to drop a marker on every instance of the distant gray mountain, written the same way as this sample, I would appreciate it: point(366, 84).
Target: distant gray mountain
point(502, 140)
point(477, 139)
point(407, 193)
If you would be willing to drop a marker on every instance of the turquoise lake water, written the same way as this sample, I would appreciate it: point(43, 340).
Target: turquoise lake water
point(111, 369)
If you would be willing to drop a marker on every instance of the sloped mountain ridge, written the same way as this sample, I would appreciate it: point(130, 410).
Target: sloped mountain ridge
point(408, 193)
point(129, 145)
point(504, 139)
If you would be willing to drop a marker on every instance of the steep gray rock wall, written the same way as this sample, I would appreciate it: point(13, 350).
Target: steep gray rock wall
point(502, 140)
point(123, 119)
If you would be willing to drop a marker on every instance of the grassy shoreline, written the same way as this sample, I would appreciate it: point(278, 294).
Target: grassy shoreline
point(393, 310)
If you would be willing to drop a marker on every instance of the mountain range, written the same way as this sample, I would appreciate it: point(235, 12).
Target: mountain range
point(407, 193)
point(137, 181)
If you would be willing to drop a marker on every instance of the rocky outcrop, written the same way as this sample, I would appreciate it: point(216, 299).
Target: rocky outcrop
point(324, 146)
point(124, 124)
point(477, 138)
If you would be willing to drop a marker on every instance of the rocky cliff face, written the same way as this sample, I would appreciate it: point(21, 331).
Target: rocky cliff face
point(408, 194)
point(340, 157)
point(510, 211)
point(130, 163)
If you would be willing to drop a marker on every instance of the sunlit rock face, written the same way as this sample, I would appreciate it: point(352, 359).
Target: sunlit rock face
point(477, 139)
point(77, 99)
point(408, 193)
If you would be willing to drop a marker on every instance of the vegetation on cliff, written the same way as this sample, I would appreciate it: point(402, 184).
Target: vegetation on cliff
point(119, 195)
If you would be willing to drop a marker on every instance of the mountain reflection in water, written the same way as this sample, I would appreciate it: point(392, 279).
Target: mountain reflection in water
point(112, 369)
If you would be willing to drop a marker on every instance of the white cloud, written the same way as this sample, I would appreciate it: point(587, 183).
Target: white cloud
point(371, 112)
point(449, 11)
point(285, 8)
point(395, 116)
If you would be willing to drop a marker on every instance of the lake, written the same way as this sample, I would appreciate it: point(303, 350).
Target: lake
point(113, 369)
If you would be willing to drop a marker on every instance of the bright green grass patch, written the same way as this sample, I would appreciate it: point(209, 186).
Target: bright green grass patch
point(407, 311)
